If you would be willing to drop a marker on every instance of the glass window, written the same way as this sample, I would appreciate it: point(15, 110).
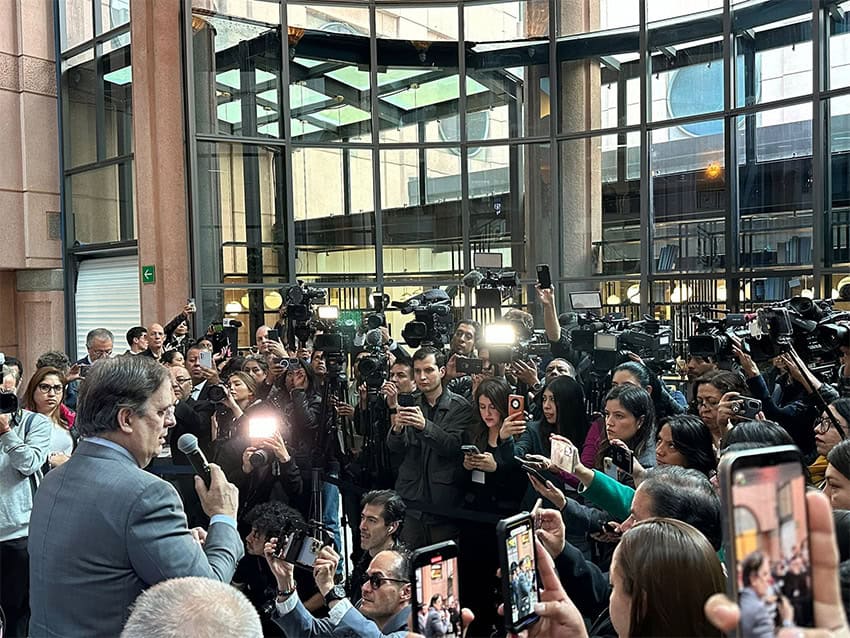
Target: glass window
point(100, 202)
point(838, 252)
point(421, 23)
point(77, 22)
point(839, 45)
point(657, 10)
point(334, 218)
point(420, 193)
point(242, 213)
point(237, 68)
point(775, 187)
point(79, 109)
point(577, 16)
point(324, 17)
point(113, 13)
point(688, 188)
point(118, 102)
point(506, 21)
point(775, 55)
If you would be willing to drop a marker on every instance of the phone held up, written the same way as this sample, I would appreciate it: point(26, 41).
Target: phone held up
point(765, 534)
point(544, 278)
point(516, 405)
point(519, 571)
point(433, 572)
point(406, 400)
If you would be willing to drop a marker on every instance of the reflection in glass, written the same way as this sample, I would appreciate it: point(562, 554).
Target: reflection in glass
point(101, 202)
point(687, 80)
point(574, 18)
point(241, 212)
point(507, 20)
point(334, 19)
point(79, 98)
point(839, 46)
point(417, 23)
point(421, 213)
point(334, 222)
point(838, 250)
point(76, 22)
point(688, 187)
point(776, 196)
point(237, 76)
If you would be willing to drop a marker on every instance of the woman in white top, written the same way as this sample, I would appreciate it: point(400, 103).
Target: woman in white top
point(44, 395)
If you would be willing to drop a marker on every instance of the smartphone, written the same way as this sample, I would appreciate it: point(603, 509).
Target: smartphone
point(84, 370)
point(516, 405)
point(470, 449)
point(623, 459)
point(406, 400)
point(469, 365)
point(191, 303)
point(531, 470)
point(749, 408)
point(563, 455)
point(543, 276)
point(433, 572)
point(519, 571)
point(205, 358)
point(273, 335)
point(765, 529)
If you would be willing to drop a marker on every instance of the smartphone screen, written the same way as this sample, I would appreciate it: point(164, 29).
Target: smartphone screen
point(767, 543)
point(563, 455)
point(543, 276)
point(436, 588)
point(406, 400)
point(519, 571)
point(272, 335)
point(205, 359)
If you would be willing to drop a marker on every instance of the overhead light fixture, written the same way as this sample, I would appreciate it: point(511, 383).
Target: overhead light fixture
point(244, 301)
point(328, 313)
point(633, 293)
point(613, 300)
point(272, 300)
point(232, 307)
point(680, 294)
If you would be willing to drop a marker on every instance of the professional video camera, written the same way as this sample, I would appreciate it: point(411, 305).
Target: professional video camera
point(509, 341)
point(433, 318)
point(224, 332)
point(377, 318)
point(374, 369)
point(299, 543)
point(299, 300)
point(813, 328)
point(714, 338)
point(609, 340)
point(491, 286)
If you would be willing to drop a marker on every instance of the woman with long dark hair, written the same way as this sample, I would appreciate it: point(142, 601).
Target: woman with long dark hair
point(44, 395)
point(637, 374)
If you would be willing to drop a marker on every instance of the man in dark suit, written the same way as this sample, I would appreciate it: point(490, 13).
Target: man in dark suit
point(106, 530)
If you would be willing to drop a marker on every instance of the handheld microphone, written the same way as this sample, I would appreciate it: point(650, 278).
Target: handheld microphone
point(188, 444)
point(472, 279)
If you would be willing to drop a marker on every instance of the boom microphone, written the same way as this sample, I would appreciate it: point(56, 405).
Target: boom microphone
point(472, 279)
point(188, 444)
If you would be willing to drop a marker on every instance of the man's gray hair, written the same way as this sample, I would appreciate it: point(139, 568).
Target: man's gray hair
point(98, 333)
point(113, 384)
point(54, 359)
point(192, 607)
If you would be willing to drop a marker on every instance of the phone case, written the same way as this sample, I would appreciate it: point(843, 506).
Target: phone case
point(521, 595)
point(516, 404)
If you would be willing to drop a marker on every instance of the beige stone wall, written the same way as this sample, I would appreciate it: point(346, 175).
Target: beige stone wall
point(29, 179)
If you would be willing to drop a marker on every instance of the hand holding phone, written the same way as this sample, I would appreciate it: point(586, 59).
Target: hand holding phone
point(622, 458)
point(433, 569)
point(564, 455)
point(470, 449)
point(205, 358)
point(544, 278)
point(518, 558)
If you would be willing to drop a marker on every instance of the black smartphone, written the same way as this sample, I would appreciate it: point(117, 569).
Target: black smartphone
point(434, 574)
point(543, 276)
point(623, 459)
point(766, 531)
point(749, 408)
point(519, 571)
point(468, 365)
point(531, 470)
point(470, 449)
point(273, 335)
point(406, 400)
point(84, 370)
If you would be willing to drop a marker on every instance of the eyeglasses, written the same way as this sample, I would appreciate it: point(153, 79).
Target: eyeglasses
point(47, 388)
point(377, 581)
point(822, 425)
point(101, 353)
point(182, 380)
point(710, 403)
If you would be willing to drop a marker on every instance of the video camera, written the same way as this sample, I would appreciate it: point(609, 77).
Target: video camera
point(374, 369)
point(491, 286)
point(433, 318)
point(714, 338)
point(299, 543)
point(299, 300)
point(509, 341)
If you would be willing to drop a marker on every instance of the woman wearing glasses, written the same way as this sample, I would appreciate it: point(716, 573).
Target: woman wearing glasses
point(830, 429)
point(44, 395)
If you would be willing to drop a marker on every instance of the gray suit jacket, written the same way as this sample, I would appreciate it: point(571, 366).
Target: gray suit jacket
point(102, 531)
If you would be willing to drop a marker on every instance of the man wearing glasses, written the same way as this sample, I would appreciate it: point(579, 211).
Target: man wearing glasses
point(98, 346)
point(384, 609)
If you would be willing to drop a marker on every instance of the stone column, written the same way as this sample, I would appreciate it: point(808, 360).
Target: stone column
point(40, 312)
point(160, 181)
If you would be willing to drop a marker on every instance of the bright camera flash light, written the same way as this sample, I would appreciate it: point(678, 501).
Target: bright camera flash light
point(329, 313)
point(499, 334)
point(262, 427)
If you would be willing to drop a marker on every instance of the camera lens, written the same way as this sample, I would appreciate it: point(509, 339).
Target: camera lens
point(8, 403)
point(260, 458)
point(217, 394)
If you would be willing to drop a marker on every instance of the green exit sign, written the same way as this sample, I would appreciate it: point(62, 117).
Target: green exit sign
point(148, 274)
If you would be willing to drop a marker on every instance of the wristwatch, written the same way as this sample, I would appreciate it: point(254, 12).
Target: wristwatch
point(337, 593)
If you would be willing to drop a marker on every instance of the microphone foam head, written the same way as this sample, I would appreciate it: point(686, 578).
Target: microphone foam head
point(187, 443)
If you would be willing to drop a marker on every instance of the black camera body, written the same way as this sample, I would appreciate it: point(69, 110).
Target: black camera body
point(217, 393)
point(9, 403)
point(433, 324)
point(300, 543)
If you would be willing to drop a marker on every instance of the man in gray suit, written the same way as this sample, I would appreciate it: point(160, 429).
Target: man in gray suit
point(103, 530)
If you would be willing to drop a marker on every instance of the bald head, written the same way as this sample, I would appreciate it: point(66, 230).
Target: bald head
point(156, 336)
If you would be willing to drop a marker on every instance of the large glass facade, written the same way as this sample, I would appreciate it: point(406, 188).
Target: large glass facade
point(394, 145)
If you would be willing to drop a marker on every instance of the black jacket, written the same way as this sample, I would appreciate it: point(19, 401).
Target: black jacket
point(432, 471)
